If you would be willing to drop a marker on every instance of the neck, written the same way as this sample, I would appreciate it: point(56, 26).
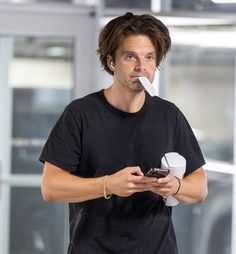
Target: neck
point(124, 100)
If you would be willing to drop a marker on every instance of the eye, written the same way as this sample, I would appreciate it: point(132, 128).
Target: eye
point(130, 56)
point(150, 57)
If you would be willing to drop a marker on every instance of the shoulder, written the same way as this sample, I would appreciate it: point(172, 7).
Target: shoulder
point(78, 108)
point(165, 106)
point(86, 103)
point(88, 100)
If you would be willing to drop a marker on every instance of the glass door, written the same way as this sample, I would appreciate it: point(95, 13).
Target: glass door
point(38, 85)
point(202, 84)
point(46, 58)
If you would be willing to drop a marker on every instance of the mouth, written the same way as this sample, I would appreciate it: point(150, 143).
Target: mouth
point(138, 76)
point(147, 85)
point(137, 79)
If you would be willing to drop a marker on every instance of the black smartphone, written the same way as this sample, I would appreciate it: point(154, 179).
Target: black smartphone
point(157, 172)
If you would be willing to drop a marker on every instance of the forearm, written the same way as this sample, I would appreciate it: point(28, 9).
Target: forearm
point(193, 189)
point(58, 185)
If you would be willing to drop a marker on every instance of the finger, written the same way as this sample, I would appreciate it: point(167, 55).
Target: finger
point(139, 185)
point(157, 184)
point(145, 186)
point(136, 171)
point(159, 192)
point(144, 180)
point(164, 180)
point(141, 189)
point(161, 189)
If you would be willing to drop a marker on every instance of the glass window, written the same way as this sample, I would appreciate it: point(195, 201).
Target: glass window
point(40, 81)
point(41, 77)
point(206, 228)
point(168, 5)
point(39, 1)
point(36, 227)
point(206, 5)
point(201, 83)
point(135, 4)
point(199, 76)
point(79, 2)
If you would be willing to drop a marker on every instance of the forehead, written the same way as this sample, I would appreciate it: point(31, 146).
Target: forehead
point(137, 43)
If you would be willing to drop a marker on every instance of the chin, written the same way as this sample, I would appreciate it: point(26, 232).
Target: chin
point(136, 89)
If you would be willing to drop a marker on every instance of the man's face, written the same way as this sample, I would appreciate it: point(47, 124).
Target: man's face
point(136, 57)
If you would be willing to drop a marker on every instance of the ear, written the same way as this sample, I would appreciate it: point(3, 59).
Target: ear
point(110, 63)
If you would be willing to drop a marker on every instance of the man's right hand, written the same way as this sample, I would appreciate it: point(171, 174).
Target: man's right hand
point(59, 185)
point(127, 181)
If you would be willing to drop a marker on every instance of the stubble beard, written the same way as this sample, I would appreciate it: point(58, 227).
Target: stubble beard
point(134, 87)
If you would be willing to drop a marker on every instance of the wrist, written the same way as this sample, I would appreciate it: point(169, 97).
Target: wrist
point(106, 192)
point(179, 186)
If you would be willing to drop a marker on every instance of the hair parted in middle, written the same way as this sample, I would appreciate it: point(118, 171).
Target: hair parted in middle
point(118, 29)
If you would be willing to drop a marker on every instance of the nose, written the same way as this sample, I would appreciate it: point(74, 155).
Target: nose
point(140, 65)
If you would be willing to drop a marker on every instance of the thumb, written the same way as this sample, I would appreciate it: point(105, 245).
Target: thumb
point(136, 171)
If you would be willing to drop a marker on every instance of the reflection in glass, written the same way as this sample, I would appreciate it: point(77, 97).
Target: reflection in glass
point(202, 85)
point(35, 111)
point(41, 80)
point(206, 228)
point(36, 227)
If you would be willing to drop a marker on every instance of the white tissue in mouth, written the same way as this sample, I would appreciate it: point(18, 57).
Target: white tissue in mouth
point(147, 85)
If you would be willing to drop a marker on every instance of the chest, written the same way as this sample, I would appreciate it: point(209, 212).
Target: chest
point(111, 144)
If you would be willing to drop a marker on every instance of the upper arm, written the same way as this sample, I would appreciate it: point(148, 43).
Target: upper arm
point(198, 174)
point(50, 171)
point(49, 177)
point(198, 178)
point(63, 146)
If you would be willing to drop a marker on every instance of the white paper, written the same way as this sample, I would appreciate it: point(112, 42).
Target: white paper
point(148, 86)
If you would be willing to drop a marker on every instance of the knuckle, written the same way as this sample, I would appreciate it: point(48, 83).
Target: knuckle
point(130, 185)
point(131, 192)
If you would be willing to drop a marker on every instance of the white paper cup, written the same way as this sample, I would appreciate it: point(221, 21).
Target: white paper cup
point(176, 163)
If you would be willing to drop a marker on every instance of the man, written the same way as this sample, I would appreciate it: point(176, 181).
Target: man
point(95, 155)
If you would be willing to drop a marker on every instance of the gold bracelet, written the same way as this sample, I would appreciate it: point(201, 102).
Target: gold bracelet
point(105, 188)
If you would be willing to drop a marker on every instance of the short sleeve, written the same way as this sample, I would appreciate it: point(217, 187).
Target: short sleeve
point(63, 146)
point(187, 145)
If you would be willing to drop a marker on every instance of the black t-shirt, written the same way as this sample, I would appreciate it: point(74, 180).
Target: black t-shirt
point(92, 139)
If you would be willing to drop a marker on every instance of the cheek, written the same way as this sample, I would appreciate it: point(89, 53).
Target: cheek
point(152, 66)
point(121, 74)
point(124, 70)
point(152, 73)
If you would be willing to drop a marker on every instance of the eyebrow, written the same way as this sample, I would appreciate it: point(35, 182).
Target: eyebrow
point(128, 52)
point(132, 52)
